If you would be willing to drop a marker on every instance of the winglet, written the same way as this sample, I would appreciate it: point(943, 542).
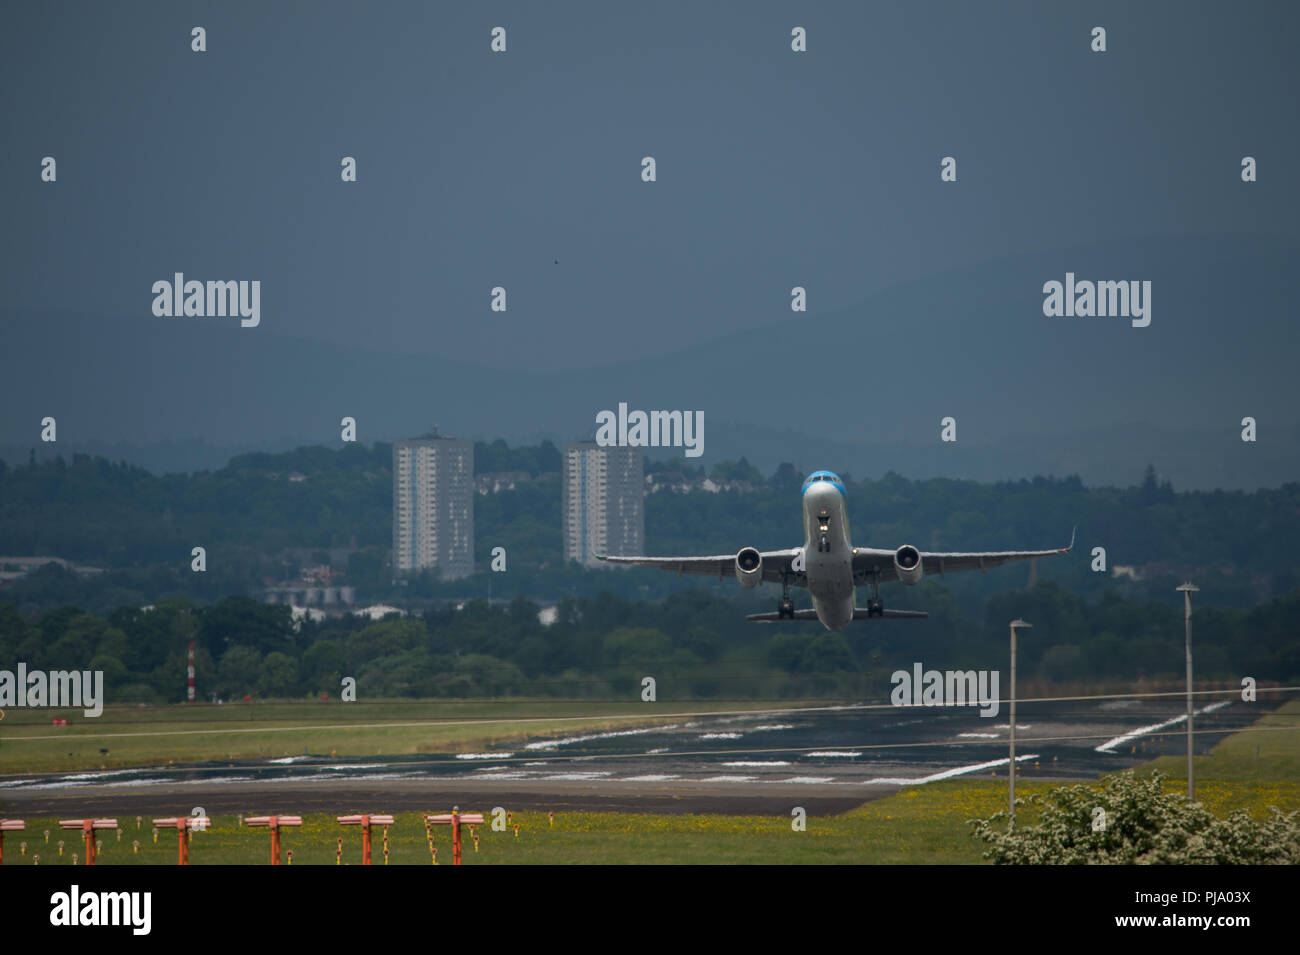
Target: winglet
point(1071, 545)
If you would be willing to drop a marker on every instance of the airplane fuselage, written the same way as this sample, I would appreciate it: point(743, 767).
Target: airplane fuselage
point(828, 552)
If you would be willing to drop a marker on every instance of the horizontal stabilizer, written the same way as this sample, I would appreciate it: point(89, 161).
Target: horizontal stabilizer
point(859, 613)
point(775, 617)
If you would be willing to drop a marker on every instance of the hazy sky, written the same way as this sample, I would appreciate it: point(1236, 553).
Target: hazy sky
point(522, 169)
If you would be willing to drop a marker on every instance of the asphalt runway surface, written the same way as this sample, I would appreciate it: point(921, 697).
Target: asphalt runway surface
point(827, 760)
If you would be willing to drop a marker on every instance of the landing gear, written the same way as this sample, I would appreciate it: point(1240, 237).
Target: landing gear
point(875, 606)
point(785, 609)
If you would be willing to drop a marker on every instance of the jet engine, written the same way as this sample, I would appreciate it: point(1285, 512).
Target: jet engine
point(749, 567)
point(907, 564)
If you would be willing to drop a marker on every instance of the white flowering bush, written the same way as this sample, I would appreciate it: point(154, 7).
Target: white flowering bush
point(1134, 820)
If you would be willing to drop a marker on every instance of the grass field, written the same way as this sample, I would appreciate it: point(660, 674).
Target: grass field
point(149, 735)
point(1251, 770)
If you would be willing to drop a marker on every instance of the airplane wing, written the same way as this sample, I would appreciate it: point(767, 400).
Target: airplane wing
point(776, 564)
point(878, 562)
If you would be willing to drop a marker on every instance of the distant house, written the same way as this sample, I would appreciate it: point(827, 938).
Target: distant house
point(494, 482)
point(379, 611)
point(677, 482)
point(311, 613)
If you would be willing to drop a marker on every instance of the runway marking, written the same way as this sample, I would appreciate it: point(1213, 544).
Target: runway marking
point(339, 767)
point(484, 755)
point(100, 774)
point(275, 780)
point(567, 740)
point(509, 774)
point(946, 774)
point(1109, 745)
point(78, 781)
point(833, 754)
point(754, 764)
point(82, 779)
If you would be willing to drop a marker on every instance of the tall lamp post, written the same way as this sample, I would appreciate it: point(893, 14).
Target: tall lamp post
point(1011, 765)
point(1187, 589)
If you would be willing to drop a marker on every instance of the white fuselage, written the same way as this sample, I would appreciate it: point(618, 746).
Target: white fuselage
point(828, 554)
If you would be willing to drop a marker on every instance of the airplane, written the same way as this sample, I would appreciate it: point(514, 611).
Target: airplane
point(830, 566)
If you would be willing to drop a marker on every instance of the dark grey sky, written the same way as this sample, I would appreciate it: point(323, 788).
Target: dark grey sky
point(775, 169)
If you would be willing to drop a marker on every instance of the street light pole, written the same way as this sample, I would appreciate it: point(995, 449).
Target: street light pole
point(1187, 589)
point(1011, 764)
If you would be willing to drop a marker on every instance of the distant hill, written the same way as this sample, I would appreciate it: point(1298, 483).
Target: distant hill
point(862, 389)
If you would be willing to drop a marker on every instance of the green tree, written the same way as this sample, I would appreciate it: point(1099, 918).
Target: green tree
point(279, 675)
point(238, 672)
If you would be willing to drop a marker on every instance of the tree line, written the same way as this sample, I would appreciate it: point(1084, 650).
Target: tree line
point(694, 643)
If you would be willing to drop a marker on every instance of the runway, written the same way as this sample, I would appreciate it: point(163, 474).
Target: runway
point(827, 760)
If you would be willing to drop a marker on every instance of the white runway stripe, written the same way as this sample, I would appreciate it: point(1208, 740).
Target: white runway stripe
point(946, 774)
point(1109, 745)
point(569, 740)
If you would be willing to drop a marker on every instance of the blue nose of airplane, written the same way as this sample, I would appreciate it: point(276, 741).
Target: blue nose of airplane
point(823, 482)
